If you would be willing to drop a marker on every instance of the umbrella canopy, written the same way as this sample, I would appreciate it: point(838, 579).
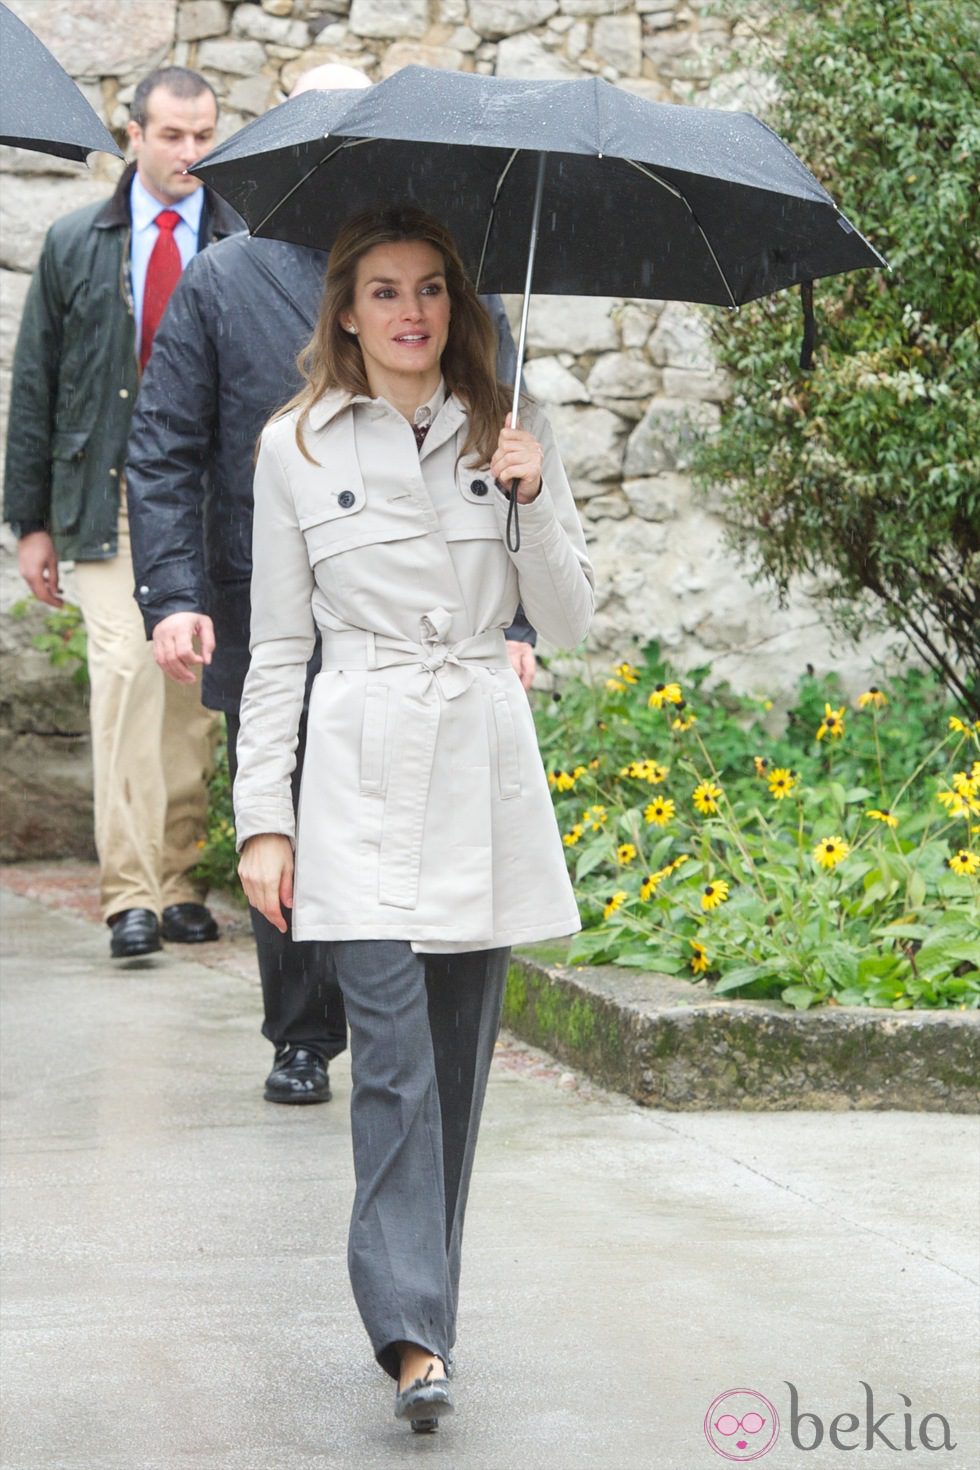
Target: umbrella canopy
point(40, 106)
point(638, 198)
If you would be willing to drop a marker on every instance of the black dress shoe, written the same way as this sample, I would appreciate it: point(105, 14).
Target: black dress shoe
point(299, 1076)
point(188, 923)
point(134, 932)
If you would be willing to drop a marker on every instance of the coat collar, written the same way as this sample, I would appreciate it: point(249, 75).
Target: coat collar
point(217, 218)
point(335, 400)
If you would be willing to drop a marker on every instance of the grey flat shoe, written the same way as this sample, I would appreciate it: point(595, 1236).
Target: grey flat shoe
point(424, 1403)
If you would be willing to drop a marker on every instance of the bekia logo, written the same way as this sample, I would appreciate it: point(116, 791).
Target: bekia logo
point(742, 1425)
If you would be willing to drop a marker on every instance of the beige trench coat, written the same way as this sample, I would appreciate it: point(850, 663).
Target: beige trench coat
point(424, 811)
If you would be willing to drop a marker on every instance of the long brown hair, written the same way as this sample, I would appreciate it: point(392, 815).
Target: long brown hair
point(333, 359)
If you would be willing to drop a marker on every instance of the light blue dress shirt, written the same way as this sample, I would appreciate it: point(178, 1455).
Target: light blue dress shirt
point(144, 210)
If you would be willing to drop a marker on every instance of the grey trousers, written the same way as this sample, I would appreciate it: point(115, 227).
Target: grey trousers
point(422, 1033)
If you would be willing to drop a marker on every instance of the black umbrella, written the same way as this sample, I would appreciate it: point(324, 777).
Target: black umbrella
point(40, 106)
point(617, 196)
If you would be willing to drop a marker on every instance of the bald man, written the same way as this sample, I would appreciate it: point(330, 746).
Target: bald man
point(223, 360)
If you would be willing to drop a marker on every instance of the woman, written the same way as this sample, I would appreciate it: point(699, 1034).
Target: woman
point(426, 843)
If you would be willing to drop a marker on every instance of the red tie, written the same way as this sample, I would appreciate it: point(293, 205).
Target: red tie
point(162, 275)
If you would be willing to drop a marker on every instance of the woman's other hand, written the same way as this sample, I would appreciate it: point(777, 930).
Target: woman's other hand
point(522, 661)
point(519, 457)
point(266, 871)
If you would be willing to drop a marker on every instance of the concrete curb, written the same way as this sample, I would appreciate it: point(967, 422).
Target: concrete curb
point(667, 1045)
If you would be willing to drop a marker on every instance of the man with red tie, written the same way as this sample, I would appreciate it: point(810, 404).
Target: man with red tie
point(101, 287)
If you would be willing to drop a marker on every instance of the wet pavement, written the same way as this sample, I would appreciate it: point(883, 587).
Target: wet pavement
point(175, 1290)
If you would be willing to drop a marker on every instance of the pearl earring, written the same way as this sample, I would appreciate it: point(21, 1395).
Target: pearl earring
point(353, 330)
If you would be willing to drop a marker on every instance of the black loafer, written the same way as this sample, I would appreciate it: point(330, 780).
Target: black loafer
point(134, 932)
point(188, 923)
point(299, 1076)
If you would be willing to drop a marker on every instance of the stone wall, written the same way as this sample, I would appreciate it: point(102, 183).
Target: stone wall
point(620, 379)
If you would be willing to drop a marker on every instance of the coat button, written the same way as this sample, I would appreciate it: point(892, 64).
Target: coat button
point(478, 487)
point(345, 499)
point(123, 392)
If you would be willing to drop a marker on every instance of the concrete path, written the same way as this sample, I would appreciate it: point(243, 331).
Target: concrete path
point(175, 1286)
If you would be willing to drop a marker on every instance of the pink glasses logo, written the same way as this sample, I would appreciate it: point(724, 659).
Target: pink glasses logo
point(741, 1425)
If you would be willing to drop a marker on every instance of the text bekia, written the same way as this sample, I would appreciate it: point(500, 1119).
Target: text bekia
point(847, 1432)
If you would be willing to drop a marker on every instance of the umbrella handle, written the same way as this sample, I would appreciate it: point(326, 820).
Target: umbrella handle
point(513, 531)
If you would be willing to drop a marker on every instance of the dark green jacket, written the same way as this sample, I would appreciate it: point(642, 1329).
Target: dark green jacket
point(76, 376)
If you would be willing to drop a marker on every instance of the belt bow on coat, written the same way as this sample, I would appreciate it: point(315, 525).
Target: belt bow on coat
point(450, 668)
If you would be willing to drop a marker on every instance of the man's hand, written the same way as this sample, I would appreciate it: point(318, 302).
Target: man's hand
point(37, 561)
point(173, 644)
point(266, 871)
point(522, 661)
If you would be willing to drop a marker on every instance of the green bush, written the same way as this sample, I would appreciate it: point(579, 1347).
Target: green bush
point(218, 863)
point(63, 638)
point(834, 861)
point(864, 471)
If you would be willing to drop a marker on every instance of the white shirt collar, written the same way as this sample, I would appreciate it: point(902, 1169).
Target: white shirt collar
point(144, 208)
point(426, 412)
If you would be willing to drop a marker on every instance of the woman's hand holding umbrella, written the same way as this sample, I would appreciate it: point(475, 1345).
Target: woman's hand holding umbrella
point(518, 457)
point(266, 871)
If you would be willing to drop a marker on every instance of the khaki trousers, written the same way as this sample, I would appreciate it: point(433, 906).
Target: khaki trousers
point(152, 743)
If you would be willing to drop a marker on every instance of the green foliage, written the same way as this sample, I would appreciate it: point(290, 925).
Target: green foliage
point(63, 639)
point(864, 471)
point(218, 864)
point(832, 860)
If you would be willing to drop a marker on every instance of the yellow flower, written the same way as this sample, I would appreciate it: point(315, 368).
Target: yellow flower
point(889, 819)
point(684, 722)
point(678, 862)
point(613, 902)
point(652, 882)
point(960, 727)
point(705, 797)
point(660, 811)
point(699, 959)
point(965, 862)
point(625, 853)
point(646, 770)
point(833, 722)
point(626, 672)
point(594, 763)
point(594, 816)
point(714, 894)
point(761, 766)
point(781, 782)
point(958, 804)
point(830, 851)
point(616, 685)
point(964, 785)
point(873, 697)
point(570, 838)
point(665, 694)
point(561, 781)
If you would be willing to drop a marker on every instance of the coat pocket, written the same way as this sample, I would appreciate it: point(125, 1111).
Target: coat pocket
point(504, 752)
point(68, 470)
point(374, 733)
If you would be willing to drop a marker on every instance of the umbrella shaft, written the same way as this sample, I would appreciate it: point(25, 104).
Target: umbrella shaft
point(532, 248)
